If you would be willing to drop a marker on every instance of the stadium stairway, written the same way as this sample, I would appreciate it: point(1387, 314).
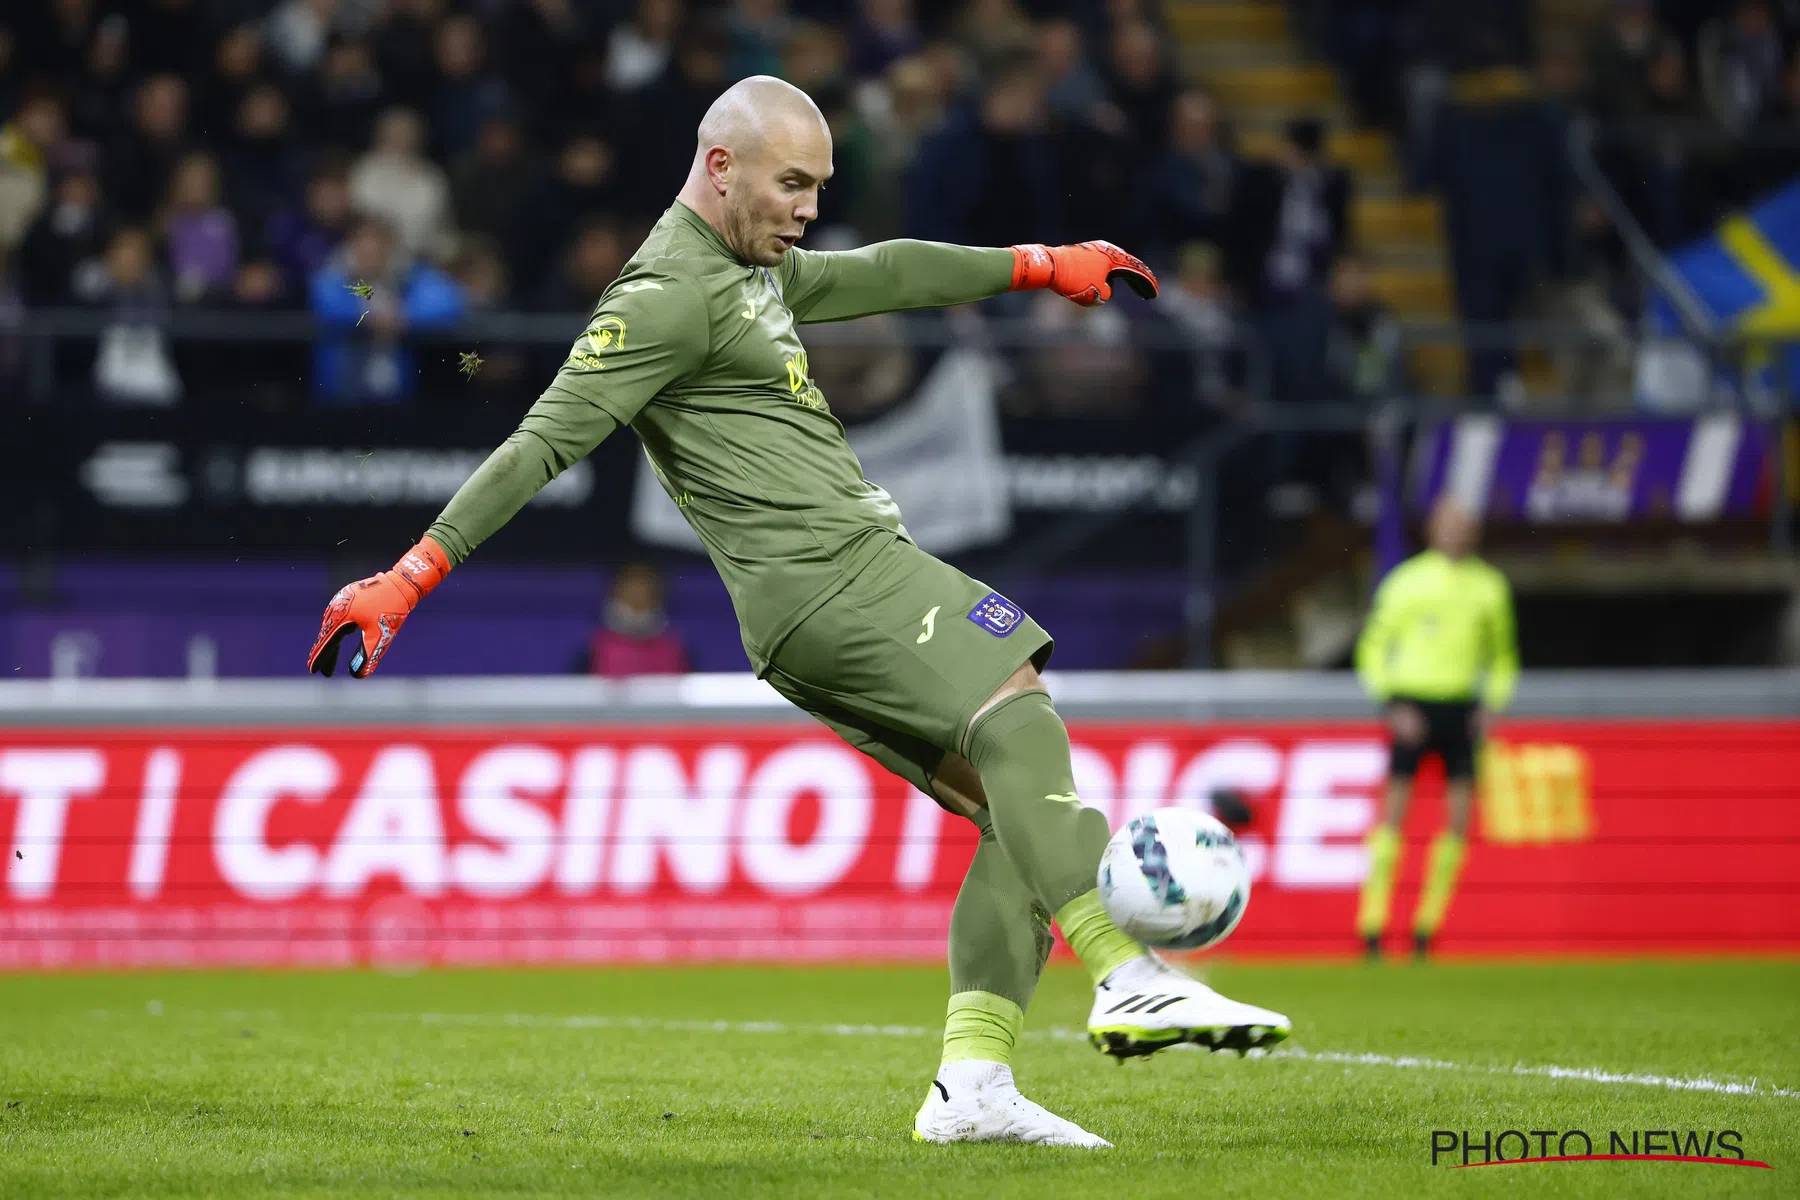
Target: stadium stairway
point(1245, 54)
point(1303, 607)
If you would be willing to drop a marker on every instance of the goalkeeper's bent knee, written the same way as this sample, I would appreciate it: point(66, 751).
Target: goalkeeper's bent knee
point(1020, 747)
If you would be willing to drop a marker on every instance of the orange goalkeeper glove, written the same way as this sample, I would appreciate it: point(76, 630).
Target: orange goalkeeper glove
point(1083, 273)
point(375, 608)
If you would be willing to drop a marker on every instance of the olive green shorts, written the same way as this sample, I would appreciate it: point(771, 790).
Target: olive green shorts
point(899, 661)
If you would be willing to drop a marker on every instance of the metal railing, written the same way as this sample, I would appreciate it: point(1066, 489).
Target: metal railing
point(43, 331)
point(1652, 263)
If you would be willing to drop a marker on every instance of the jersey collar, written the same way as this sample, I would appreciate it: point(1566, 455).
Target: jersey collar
point(694, 221)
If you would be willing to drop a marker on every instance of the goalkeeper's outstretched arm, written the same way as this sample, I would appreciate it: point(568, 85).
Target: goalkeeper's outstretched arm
point(904, 274)
point(605, 381)
point(560, 430)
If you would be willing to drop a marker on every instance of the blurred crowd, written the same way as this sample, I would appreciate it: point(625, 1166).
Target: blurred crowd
point(1727, 64)
point(1696, 106)
point(392, 166)
point(508, 154)
point(1691, 109)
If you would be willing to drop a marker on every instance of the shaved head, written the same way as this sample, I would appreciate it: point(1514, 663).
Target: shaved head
point(763, 153)
point(748, 111)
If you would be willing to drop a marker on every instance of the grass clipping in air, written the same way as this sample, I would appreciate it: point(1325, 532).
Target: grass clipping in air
point(362, 291)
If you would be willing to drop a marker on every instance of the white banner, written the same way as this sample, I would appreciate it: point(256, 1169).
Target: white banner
point(938, 455)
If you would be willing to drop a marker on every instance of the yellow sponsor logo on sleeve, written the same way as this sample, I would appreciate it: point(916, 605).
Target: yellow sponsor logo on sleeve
point(605, 334)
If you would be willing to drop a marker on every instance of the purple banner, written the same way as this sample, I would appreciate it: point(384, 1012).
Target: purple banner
point(1550, 472)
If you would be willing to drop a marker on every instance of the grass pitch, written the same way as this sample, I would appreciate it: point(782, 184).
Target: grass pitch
point(729, 1082)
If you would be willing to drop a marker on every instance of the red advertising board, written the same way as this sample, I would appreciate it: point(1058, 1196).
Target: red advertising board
point(178, 847)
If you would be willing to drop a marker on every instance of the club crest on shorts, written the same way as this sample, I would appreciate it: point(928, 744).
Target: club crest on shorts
point(996, 614)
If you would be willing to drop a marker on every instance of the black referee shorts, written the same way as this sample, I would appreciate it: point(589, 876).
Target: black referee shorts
point(1447, 735)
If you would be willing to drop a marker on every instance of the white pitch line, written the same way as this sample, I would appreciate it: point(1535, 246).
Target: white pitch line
point(1584, 1074)
point(1679, 1083)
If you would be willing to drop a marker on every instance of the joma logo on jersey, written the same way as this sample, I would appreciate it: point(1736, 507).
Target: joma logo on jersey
point(607, 333)
point(798, 381)
point(1535, 793)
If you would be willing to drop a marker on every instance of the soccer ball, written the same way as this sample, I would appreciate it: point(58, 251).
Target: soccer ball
point(1175, 878)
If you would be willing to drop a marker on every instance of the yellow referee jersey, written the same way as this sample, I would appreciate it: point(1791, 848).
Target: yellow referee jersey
point(1438, 625)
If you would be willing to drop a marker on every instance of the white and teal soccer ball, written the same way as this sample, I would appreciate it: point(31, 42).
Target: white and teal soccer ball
point(1175, 878)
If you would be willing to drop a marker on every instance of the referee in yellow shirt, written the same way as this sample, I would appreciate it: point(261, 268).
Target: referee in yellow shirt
point(1438, 654)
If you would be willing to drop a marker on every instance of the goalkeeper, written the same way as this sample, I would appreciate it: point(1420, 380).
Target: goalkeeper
point(929, 672)
point(1441, 620)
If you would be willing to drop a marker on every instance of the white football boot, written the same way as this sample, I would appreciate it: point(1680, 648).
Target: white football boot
point(978, 1102)
point(1147, 1005)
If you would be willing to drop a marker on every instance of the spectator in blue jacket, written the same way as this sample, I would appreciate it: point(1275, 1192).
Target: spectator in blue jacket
point(366, 299)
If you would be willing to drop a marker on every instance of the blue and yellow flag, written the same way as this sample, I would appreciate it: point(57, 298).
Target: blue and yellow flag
point(1745, 274)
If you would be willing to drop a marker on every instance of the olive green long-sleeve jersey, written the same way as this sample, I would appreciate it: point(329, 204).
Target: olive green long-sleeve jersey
point(1438, 625)
point(699, 354)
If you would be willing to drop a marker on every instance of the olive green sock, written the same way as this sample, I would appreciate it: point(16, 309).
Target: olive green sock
point(999, 934)
point(1021, 749)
